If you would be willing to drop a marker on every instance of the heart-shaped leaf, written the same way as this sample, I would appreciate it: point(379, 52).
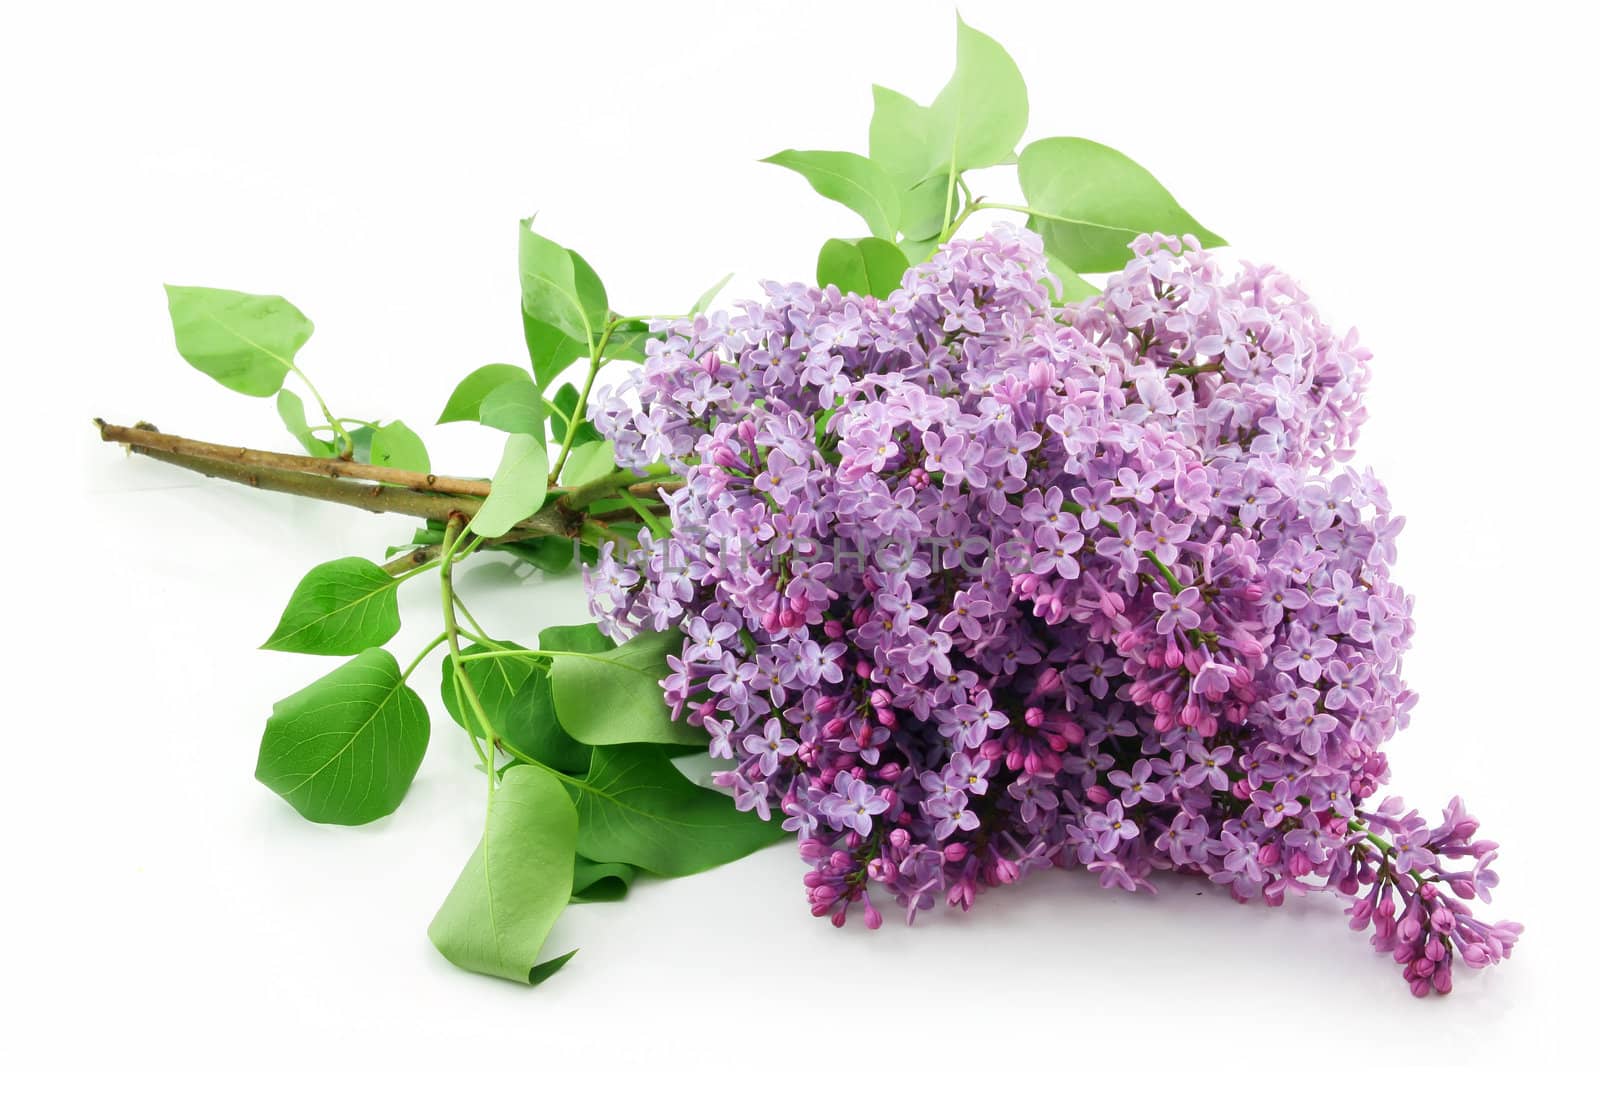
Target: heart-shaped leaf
point(344, 749)
point(292, 411)
point(339, 608)
point(562, 407)
point(614, 697)
point(531, 727)
point(560, 291)
point(514, 406)
point(467, 398)
point(635, 807)
point(520, 484)
point(978, 118)
point(396, 445)
point(496, 917)
point(1095, 201)
point(589, 461)
point(869, 266)
point(496, 682)
point(245, 341)
point(851, 179)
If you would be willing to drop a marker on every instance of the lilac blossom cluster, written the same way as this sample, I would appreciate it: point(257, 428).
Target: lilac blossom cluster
point(972, 585)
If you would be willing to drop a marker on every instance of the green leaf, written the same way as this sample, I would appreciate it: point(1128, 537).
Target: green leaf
point(628, 341)
point(597, 458)
point(978, 118)
point(361, 443)
point(578, 638)
point(469, 393)
point(851, 179)
point(565, 404)
point(547, 553)
point(514, 406)
point(900, 137)
point(344, 749)
point(245, 341)
point(339, 608)
point(614, 697)
point(591, 294)
point(519, 879)
point(518, 488)
point(840, 264)
point(549, 348)
point(636, 808)
point(1097, 202)
point(543, 970)
point(593, 881)
point(918, 251)
point(552, 349)
point(901, 140)
point(975, 122)
point(702, 303)
point(396, 445)
point(885, 265)
point(559, 289)
point(496, 681)
point(531, 727)
point(514, 691)
point(292, 411)
point(922, 214)
point(1074, 287)
point(869, 266)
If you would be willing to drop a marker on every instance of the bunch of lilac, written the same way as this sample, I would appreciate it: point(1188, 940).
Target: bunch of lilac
point(970, 586)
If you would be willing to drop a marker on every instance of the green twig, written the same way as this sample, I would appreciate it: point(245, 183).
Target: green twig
point(452, 629)
point(348, 449)
point(597, 360)
point(427, 649)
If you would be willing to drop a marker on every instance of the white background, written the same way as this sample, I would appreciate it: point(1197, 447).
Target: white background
point(1423, 173)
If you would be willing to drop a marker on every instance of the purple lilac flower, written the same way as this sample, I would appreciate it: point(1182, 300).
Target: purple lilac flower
point(1088, 586)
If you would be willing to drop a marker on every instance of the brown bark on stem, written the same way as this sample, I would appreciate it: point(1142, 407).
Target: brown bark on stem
point(308, 477)
point(148, 441)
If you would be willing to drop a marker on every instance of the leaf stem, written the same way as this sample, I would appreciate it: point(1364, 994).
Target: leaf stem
point(597, 353)
point(452, 630)
point(652, 520)
point(333, 427)
point(1171, 578)
point(569, 780)
point(417, 660)
point(406, 564)
point(1383, 846)
point(950, 231)
point(467, 615)
point(349, 448)
point(404, 575)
